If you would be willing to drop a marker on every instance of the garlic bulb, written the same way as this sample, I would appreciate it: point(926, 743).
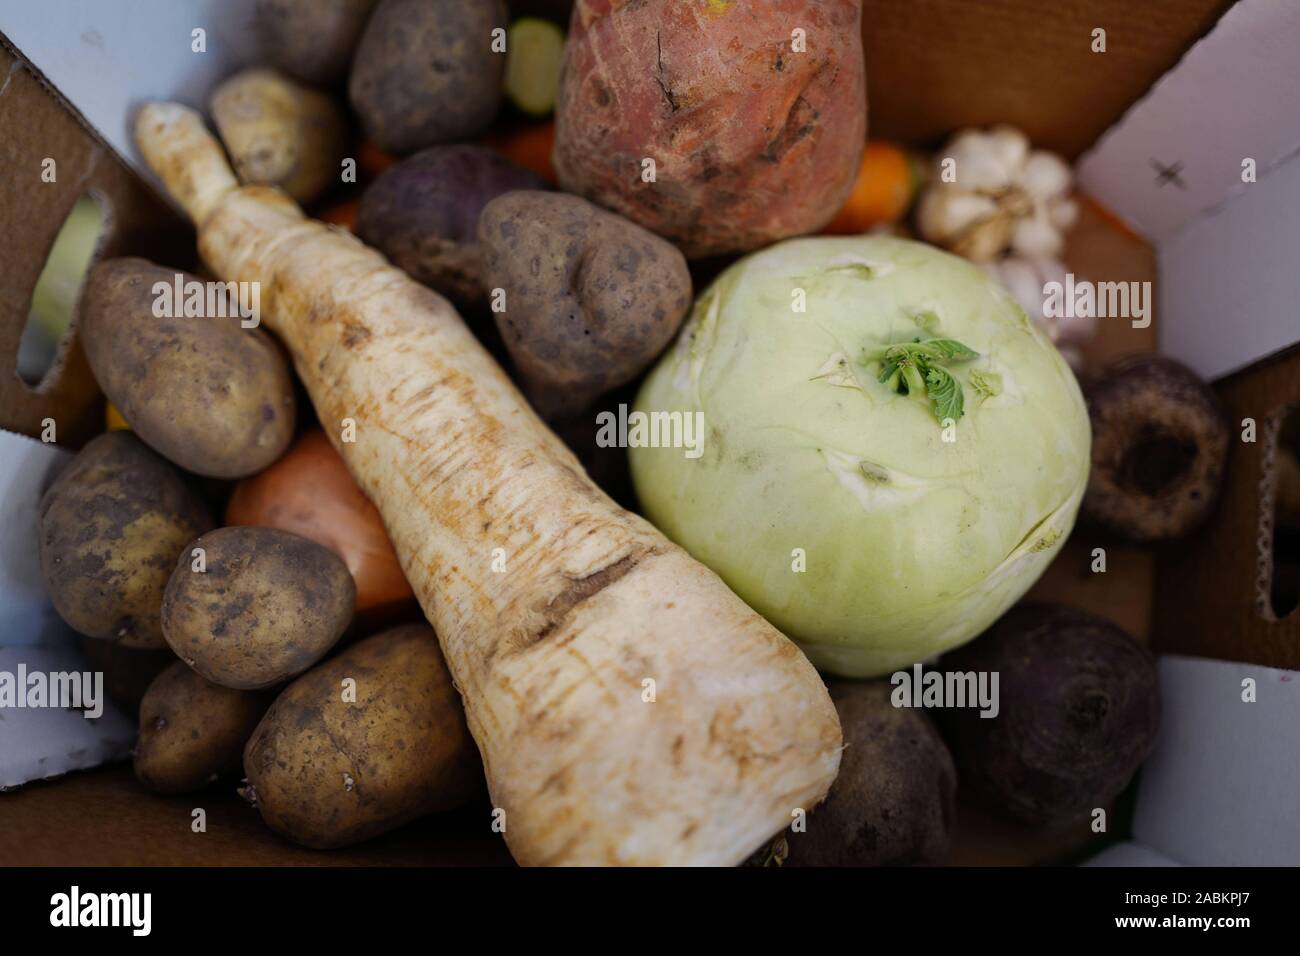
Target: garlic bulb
point(1004, 196)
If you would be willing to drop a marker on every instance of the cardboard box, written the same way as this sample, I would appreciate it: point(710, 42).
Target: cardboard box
point(1166, 86)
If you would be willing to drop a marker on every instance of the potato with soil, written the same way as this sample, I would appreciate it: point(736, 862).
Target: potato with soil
point(590, 298)
point(192, 731)
point(279, 132)
point(423, 215)
point(425, 72)
point(311, 39)
point(753, 114)
point(266, 605)
point(1079, 709)
point(892, 804)
point(364, 743)
point(111, 527)
point(211, 396)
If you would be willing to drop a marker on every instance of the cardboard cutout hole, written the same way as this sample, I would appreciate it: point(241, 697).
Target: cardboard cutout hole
point(1284, 589)
point(57, 289)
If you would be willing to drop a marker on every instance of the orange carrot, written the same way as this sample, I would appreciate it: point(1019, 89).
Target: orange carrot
point(882, 193)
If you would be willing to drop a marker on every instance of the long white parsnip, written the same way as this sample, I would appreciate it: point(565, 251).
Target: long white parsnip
point(552, 654)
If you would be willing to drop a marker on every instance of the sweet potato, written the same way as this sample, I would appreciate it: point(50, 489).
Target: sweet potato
point(553, 655)
point(754, 115)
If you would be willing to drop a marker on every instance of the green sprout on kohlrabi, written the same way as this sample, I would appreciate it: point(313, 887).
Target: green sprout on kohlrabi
point(919, 368)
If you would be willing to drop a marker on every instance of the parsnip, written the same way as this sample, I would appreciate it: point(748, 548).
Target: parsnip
point(553, 654)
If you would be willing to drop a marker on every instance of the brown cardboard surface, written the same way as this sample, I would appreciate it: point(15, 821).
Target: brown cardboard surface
point(1206, 589)
point(937, 65)
point(34, 125)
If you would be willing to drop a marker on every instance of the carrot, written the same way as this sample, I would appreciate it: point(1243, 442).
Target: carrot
point(881, 194)
point(530, 147)
point(343, 214)
point(372, 160)
point(629, 708)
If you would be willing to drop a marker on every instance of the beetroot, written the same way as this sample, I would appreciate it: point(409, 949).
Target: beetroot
point(1079, 711)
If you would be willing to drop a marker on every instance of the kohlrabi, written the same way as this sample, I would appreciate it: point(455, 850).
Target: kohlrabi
point(892, 451)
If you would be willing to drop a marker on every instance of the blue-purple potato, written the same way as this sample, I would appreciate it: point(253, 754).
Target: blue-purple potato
point(1079, 710)
point(590, 299)
point(423, 215)
point(209, 395)
point(111, 526)
point(311, 39)
point(425, 72)
point(262, 607)
point(892, 803)
point(192, 731)
point(369, 740)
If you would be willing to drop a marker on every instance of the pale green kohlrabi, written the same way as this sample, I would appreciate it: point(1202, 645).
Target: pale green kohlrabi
point(892, 451)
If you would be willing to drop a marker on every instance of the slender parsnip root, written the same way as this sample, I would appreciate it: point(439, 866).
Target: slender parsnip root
point(553, 655)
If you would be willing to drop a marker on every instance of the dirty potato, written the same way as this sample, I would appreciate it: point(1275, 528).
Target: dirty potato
point(363, 743)
point(279, 132)
point(192, 731)
point(311, 39)
point(257, 607)
point(211, 396)
point(111, 527)
point(425, 72)
point(590, 298)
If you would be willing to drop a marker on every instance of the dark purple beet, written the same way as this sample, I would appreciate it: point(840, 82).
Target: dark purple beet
point(423, 214)
point(1079, 710)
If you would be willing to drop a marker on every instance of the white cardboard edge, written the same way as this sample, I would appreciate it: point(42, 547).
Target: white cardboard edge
point(1222, 787)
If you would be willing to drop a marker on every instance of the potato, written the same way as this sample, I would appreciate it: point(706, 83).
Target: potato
point(892, 803)
point(590, 298)
point(280, 133)
point(213, 397)
point(425, 72)
point(192, 731)
point(267, 605)
point(111, 527)
point(312, 40)
point(755, 131)
point(423, 215)
point(363, 743)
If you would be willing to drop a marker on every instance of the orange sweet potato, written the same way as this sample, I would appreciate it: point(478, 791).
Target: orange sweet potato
point(753, 113)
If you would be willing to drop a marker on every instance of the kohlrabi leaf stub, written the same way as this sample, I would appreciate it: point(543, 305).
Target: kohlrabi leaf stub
point(890, 460)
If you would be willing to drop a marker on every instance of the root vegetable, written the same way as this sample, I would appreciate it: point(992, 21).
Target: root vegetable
point(754, 115)
point(111, 527)
point(534, 56)
point(423, 215)
point(892, 804)
point(590, 298)
point(266, 605)
point(308, 491)
point(311, 39)
point(1079, 707)
point(552, 654)
point(279, 132)
point(193, 731)
point(213, 397)
point(425, 72)
point(329, 768)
